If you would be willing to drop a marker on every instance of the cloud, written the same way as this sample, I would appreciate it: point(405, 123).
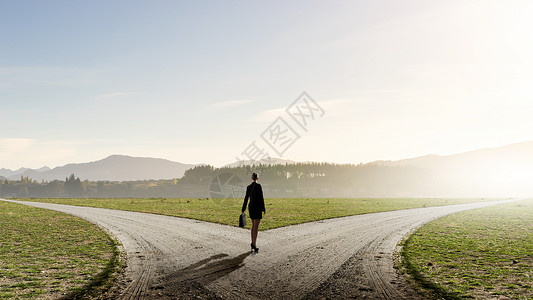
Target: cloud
point(340, 106)
point(229, 103)
point(337, 104)
point(9, 147)
point(22, 152)
point(269, 115)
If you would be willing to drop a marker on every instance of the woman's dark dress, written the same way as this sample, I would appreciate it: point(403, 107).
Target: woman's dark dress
point(257, 203)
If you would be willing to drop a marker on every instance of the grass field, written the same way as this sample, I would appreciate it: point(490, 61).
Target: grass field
point(280, 212)
point(484, 253)
point(47, 254)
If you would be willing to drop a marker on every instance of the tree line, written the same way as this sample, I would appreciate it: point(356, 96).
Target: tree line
point(282, 180)
point(73, 187)
point(322, 179)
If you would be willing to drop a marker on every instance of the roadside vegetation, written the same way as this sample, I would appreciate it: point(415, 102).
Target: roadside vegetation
point(280, 211)
point(485, 253)
point(47, 254)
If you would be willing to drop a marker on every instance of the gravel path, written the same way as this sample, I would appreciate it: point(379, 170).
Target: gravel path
point(350, 257)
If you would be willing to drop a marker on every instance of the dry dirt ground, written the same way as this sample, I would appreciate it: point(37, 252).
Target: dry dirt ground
point(175, 258)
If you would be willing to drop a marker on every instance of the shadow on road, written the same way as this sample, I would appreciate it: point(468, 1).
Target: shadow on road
point(191, 281)
point(211, 269)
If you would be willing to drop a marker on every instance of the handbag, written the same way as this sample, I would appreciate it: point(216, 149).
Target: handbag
point(242, 220)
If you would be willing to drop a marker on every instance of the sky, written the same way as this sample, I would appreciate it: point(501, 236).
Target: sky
point(210, 81)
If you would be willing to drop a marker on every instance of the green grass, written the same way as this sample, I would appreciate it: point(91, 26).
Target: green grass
point(280, 212)
point(484, 253)
point(47, 254)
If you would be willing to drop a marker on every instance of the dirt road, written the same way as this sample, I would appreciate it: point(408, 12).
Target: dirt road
point(170, 257)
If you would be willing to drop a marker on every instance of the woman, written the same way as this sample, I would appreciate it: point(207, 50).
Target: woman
point(257, 205)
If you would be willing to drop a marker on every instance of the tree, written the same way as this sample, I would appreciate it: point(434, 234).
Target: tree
point(73, 186)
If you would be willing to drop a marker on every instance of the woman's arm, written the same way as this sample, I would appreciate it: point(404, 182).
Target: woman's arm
point(246, 199)
point(262, 199)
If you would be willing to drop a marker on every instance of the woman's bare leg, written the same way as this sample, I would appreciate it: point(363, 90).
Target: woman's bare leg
point(255, 229)
point(253, 232)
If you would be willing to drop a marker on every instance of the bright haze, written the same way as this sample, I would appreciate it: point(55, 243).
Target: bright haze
point(200, 81)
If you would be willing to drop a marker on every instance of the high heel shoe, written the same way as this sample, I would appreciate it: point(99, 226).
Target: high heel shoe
point(254, 248)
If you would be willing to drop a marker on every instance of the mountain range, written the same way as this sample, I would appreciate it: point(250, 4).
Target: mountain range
point(505, 168)
point(112, 168)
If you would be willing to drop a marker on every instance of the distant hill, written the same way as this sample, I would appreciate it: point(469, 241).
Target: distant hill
point(113, 168)
point(43, 169)
point(8, 173)
point(494, 171)
point(522, 152)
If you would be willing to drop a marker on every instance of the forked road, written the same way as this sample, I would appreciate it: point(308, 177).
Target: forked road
point(169, 257)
